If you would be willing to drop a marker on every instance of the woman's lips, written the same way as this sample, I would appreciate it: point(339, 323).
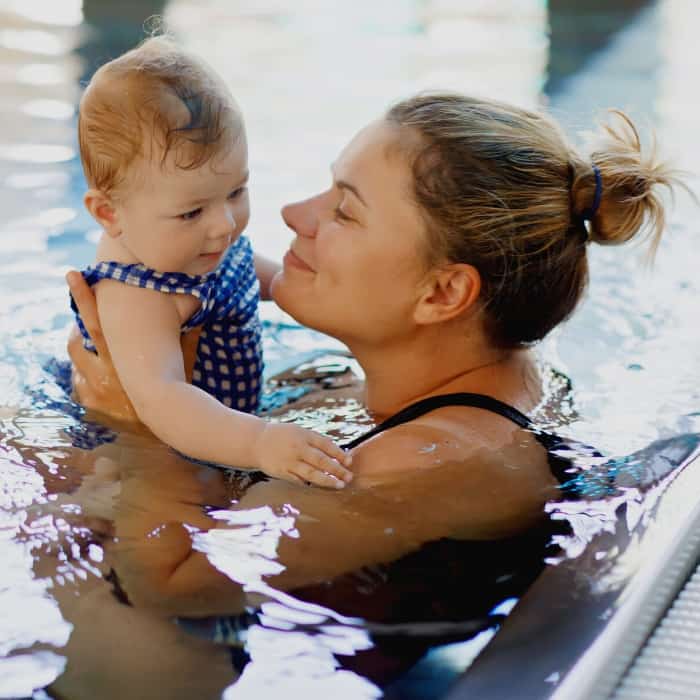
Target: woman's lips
point(293, 260)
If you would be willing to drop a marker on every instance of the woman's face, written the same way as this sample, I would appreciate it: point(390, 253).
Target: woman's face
point(355, 268)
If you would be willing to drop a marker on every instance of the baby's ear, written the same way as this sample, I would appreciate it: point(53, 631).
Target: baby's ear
point(102, 209)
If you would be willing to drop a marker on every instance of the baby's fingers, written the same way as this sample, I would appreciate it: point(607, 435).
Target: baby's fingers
point(329, 448)
point(322, 462)
point(311, 475)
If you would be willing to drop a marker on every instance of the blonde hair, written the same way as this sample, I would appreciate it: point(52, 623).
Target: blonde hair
point(153, 99)
point(501, 189)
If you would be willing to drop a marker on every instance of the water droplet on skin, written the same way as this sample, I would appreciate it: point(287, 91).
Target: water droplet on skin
point(428, 448)
point(95, 553)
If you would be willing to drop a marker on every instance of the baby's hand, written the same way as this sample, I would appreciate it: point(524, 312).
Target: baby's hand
point(289, 452)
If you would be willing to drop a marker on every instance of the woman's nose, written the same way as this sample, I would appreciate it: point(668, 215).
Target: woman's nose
point(301, 217)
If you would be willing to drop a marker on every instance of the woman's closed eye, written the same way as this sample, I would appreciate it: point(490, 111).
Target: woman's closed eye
point(340, 215)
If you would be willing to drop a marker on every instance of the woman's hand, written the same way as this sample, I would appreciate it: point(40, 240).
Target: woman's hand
point(95, 381)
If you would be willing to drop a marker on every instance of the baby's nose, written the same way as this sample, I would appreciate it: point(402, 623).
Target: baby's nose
point(225, 223)
point(228, 215)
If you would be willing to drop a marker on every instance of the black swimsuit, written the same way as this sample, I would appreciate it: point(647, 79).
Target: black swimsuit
point(558, 449)
point(456, 581)
point(432, 403)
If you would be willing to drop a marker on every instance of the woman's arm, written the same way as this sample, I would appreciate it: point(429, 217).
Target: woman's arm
point(287, 536)
point(174, 558)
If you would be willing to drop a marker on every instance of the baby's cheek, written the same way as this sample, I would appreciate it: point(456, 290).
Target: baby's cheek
point(241, 218)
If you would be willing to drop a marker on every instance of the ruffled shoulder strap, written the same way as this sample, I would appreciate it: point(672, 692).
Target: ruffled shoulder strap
point(137, 275)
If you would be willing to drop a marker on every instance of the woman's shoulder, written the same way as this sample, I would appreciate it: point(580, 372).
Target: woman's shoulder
point(448, 434)
point(495, 475)
point(424, 441)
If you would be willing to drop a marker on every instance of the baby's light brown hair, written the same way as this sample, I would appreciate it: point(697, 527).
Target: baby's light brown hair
point(152, 101)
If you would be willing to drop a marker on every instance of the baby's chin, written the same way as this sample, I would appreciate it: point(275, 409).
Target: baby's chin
point(211, 262)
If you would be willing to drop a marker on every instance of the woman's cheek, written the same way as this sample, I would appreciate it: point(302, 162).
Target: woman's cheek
point(335, 262)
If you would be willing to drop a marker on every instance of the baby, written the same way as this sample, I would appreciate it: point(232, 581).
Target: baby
point(164, 152)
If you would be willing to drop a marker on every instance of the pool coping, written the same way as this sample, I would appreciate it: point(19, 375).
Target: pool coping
point(582, 622)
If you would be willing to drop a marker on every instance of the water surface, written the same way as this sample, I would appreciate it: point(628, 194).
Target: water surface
point(305, 88)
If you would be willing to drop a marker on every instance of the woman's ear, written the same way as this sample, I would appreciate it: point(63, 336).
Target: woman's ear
point(103, 210)
point(450, 292)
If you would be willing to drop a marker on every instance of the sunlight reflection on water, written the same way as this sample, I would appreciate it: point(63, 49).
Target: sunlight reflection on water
point(36, 41)
point(305, 89)
point(67, 13)
point(49, 109)
point(36, 153)
point(41, 74)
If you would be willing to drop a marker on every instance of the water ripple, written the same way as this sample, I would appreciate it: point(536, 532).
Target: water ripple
point(49, 109)
point(36, 153)
point(66, 13)
point(33, 41)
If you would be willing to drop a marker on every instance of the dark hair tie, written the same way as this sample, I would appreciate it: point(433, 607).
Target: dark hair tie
point(590, 212)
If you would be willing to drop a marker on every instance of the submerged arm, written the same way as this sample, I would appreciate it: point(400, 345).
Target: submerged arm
point(288, 536)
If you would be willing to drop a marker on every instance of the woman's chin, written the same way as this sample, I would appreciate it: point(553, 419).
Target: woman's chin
point(290, 298)
point(282, 293)
point(277, 289)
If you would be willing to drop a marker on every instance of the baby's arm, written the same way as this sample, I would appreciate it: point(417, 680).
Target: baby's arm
point(265, 269)
point(142, 330)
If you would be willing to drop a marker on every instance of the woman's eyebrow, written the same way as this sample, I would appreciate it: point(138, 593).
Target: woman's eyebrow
point(345, 185)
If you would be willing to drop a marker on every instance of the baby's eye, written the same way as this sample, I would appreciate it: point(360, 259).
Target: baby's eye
point(237, 192)
point(189, 215)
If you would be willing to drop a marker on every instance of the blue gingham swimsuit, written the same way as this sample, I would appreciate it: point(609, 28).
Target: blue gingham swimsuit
point(229, 355)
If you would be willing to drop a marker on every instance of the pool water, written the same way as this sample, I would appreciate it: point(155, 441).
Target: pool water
point(305, 88)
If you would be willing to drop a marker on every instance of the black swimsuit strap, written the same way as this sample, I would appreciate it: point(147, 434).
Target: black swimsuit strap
point(420, 408)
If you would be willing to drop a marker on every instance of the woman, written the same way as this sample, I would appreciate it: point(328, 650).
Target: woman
point(453, 237)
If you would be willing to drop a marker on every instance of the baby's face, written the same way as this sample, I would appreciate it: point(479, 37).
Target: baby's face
point(175, 220)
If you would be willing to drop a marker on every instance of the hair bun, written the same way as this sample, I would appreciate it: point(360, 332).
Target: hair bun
point(630, 204)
